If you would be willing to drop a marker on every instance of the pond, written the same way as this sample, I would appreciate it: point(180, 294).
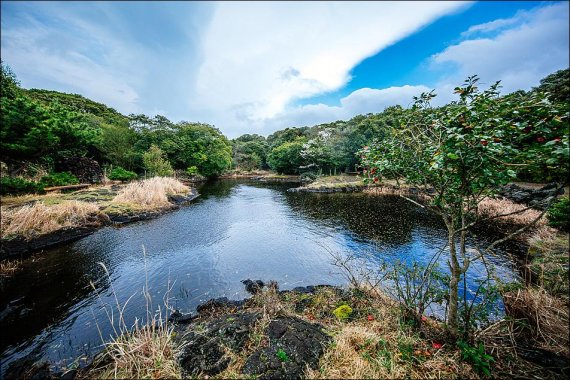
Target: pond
point(53, 309)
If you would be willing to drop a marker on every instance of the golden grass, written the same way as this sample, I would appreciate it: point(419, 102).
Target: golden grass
point(494, 207)
point(38, 219)
point(150, 193)
point(547, 317)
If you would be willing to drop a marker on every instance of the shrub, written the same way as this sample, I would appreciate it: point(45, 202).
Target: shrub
point(156, 163)
point(559, 214)
point(192, 170)
point(59, 179)
point(343, 312)
point(477, 357)
point(120, 174)
point(17, 185)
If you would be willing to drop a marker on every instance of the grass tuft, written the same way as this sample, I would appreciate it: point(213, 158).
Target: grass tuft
point(150, 193)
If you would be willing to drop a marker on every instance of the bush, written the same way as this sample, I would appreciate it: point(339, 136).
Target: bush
point(192, 170)
point(308, 177)
point(156, 163)
point(559, 214)
point(17, 185)
point(120, 174)
point(59, 179)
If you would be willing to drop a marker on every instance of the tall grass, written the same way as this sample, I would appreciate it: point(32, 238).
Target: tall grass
point(144, 350)
point(37, 219)
point(150, 193)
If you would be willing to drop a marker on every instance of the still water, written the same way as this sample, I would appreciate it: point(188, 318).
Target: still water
point(53, 309)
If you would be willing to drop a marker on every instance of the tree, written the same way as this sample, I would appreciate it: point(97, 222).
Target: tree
point(462, 153)
point(286, 158)
point(557, 85)
point(155, 162)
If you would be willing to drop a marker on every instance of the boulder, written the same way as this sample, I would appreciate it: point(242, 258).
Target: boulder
point(85, 169)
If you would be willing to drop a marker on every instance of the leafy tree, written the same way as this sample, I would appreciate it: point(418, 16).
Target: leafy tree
point(557, 85)
point(249, 152)
point(286, 158)
point(156, 163)
point(9, 85)
point(462, 153)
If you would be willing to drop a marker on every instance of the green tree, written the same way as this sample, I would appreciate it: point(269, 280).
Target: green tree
point(462, 153)
point(156, 163)
point(286, 158)
point(557, 85)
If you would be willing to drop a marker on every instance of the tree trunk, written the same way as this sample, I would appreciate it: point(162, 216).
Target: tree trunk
point(452, 317)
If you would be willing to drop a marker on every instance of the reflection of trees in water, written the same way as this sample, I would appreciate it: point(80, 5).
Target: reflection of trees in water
point(387, 220)
point(43, 292)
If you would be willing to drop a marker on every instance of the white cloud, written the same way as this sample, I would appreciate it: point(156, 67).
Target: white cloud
point(361, 101)
point(534, 46)
point(258, 57)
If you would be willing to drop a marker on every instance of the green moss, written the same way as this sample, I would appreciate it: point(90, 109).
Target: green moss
point(343, 312)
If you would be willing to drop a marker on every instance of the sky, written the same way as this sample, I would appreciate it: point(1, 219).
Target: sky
point(256, 67)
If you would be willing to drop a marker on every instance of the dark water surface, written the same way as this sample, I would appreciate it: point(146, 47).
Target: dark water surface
point(235, 230)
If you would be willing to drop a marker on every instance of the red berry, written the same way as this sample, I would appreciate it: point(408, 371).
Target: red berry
point(370, 317)
point(540, 139)
point(375, 180)
point(484, 142)
point(436, 345)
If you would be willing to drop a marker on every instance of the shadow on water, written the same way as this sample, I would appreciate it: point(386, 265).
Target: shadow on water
point(235, 230)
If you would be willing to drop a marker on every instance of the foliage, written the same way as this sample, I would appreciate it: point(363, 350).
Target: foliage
point(282, 355)
point(192, 170)
point(557, 85)
point(156, 163)
point(120, 174)
point(59, 179)
point(17, 185)
point(9, 85)
point(286, 158)
point(461, 153)
point(249, 152)
point(559, 214)
point(477, 357)
point(343, 312)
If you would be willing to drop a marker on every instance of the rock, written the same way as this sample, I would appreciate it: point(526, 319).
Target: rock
point(216, 304)
point(293, 345)
point(253, 287)
point(202, 346)
point(85, 169)
point(536, 198)
point(182, 319)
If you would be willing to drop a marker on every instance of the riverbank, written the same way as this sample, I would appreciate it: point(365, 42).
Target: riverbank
point(35, 222)
point(316, 332)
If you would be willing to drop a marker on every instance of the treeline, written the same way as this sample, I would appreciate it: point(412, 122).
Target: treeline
point(40, 128)
point(331, 147)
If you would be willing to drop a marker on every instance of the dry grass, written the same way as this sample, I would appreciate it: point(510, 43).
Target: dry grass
point(147, 352)
point(32, 220)
point(549, 261)
point(494, 207)
point(547, 318)
point(9, 267)
point(150, 193)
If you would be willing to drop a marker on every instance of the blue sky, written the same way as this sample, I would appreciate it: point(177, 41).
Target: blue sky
point(254, 67)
